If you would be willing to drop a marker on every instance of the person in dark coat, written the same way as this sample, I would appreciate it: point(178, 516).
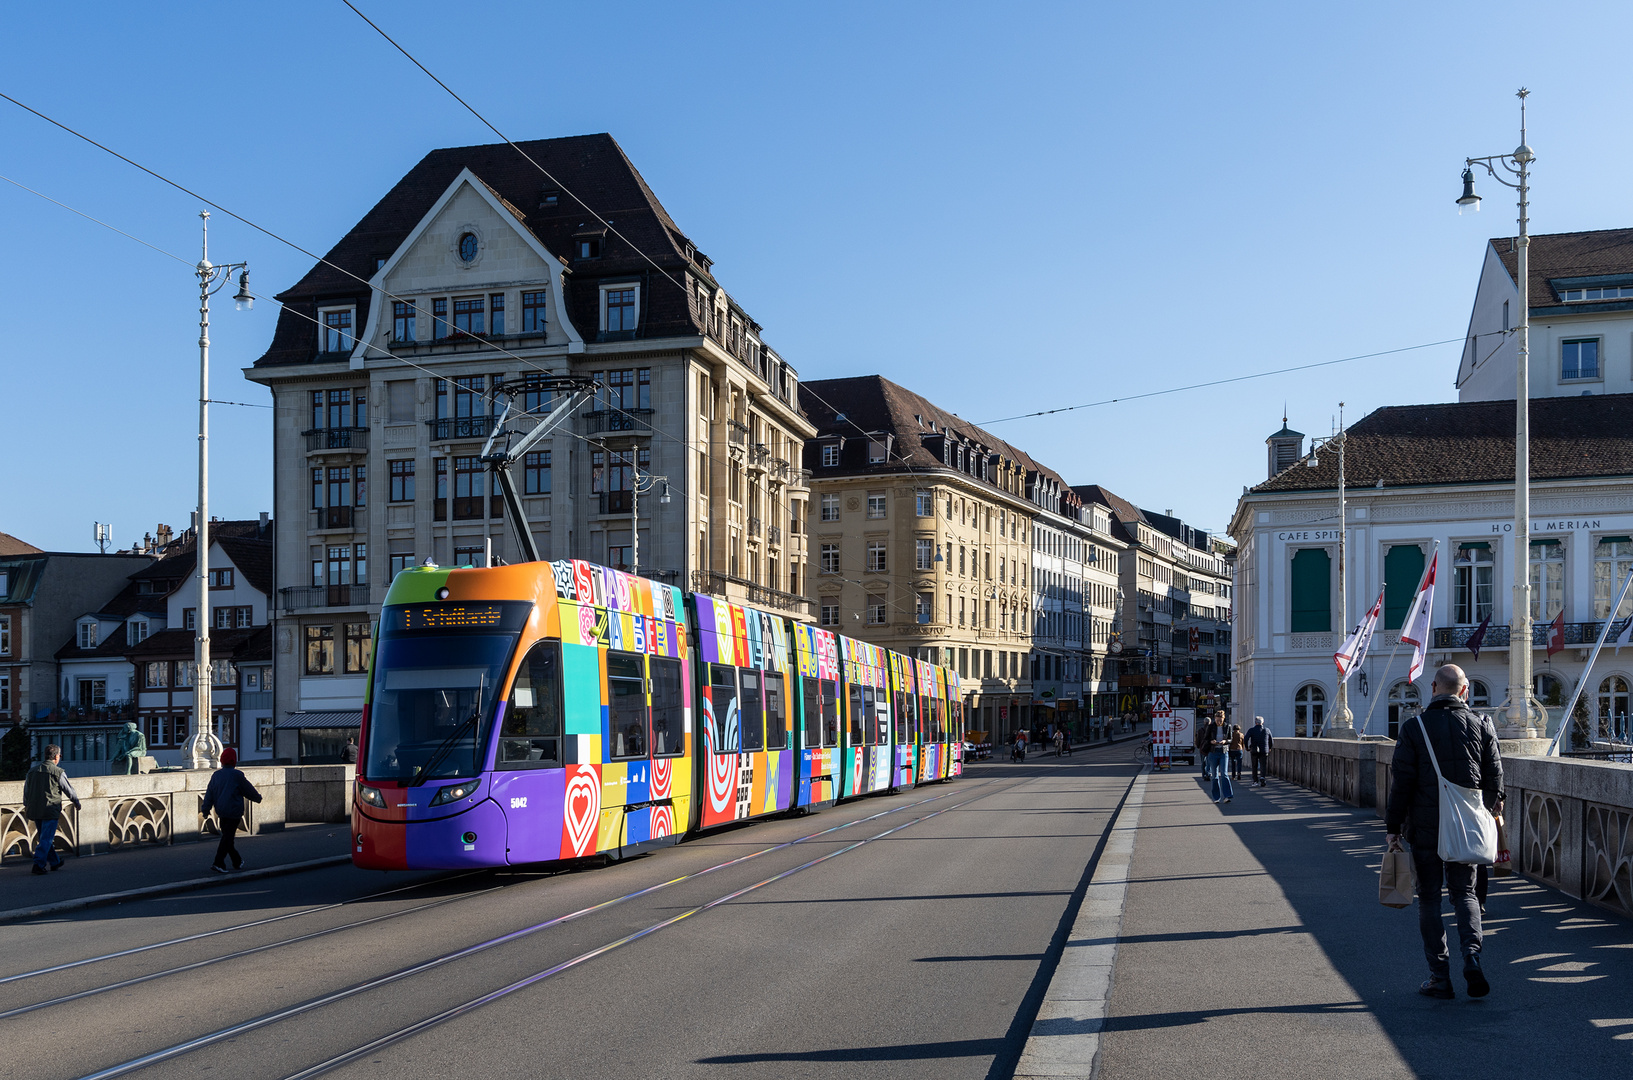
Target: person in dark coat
point(44, 789)
point(226, 794)
point(1465, 745)
point(1259, 744)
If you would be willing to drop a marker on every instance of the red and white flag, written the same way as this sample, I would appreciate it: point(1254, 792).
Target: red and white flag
point(1415, 631)
point(1354, 649)
point(1556, 633)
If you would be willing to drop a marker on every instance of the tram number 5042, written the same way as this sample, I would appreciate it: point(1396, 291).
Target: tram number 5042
point(519, 804)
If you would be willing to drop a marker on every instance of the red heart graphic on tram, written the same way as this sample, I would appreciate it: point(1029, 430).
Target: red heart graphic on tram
point(582, 806)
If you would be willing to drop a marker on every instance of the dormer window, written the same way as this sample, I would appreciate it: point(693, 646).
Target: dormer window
point(335, 329)
point(1606, 292)
point(830, 455)
point(87, 634)
point(549, 199)
point(136, 631)
point(589, 248)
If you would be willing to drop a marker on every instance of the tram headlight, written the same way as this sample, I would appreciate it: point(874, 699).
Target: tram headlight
point(453, 793)
point(371, 796)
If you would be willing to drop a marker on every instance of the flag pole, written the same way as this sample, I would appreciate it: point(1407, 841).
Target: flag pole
point(1384, 683)
point(1604, 631)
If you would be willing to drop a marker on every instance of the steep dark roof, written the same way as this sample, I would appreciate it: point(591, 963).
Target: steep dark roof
point(593, 168)
point(1124, 511)
point(10, 545)
point(179, 642)
point(1569, 255)
point(874, 404)
point(253, 558)
point(257, 645)
point(1473, 442)
point(113, 645)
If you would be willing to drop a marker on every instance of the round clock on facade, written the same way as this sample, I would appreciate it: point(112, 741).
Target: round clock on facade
point(467, 247)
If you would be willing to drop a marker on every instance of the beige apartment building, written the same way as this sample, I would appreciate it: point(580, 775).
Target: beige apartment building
point(473, 279)
point(922, 537)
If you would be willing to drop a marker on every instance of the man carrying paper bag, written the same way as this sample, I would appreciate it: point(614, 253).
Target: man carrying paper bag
point(1446, 776)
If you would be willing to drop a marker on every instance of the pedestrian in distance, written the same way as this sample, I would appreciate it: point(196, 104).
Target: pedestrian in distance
point(225, 795)
point(1060, 742)
point(44, 789)
point(1237, 744)
point(1259, 744)
point(1017, 751)
point(1217, 737)
point(1464, 744)
point(1199, 742)
point(350, 753)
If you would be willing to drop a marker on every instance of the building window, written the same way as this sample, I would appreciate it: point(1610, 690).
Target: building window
point(400, 561)
point(189, 618)
point(876, 610)
point(156, 674)
point(336, 332)
point(439, 319)
point(876, 557)
point(1609, 292)
point(589, 249)
point(830, 559)
point(876, 451)
point(1403, 570)
point(1613, 709)
point(496, 313)
point(1472, 584)
point(628, 388)
point(402, 321)
point(876, 506)
point(1579, 359)
point(87, 635)
point(228, 618)
point(1404, 700)
point(536, 473)
point(221, 579)
point(402, 480)
point(830, 614)
point(924, 608)
point(1309, 709)
point(357, 647)
point(1547, 578)
point(620, 309)
point(1311, 591)
point(320, 650)
point(830, 455)
point(923, 504)
point(1479, 694)
point(924, 554)
point(469, 317)
point(1612, 559)
point(533, 312)
point(830, 507)
point(5, 693)
point(135, 633)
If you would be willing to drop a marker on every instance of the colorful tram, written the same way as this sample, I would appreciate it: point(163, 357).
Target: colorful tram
point(548, 711)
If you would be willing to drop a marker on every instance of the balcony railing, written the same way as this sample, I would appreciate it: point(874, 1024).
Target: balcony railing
point(773, 534)
point(460, 427)
point(737, 433)
point(1457, 637)
point(754, 525)
point(715, 583)
point(337, 438)
point(333, 517)
point(604, 420)
point(759, 454)
point(778, 468)
point(297, 597)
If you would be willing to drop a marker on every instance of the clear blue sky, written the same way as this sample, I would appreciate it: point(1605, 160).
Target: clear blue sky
point(1004, 207)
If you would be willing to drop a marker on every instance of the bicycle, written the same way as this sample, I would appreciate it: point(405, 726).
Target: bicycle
point(1142, 753)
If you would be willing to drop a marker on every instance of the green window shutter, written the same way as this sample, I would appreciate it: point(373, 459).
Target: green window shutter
point(1312, 591)
point(1403, 569)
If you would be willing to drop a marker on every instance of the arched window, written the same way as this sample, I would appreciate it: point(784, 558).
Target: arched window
point(1309, 709)
point(1549, 690)
point(1613, 698)
point(1479, 695)
point(1404, 702)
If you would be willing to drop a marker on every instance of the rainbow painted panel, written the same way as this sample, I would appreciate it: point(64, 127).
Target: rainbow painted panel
point(742, 783)
point(817, 651)
point(817, 767)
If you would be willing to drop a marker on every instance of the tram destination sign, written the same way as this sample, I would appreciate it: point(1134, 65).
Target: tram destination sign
point(456, 615)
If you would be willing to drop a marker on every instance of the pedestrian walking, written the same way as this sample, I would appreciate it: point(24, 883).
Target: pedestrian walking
point(1199, 742)
point(1237, 744)
point(1464, 746)
point(1217, 737)
point(226, 794)
point(1060, 742)
point(1259, 744)
point(44, 788)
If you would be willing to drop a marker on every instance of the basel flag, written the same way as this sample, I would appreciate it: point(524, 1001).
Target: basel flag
point(1415, 631)
point(1354, 649)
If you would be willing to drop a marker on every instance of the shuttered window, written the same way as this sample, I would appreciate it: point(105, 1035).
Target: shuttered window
point(1312, 591)
point(1403, 569)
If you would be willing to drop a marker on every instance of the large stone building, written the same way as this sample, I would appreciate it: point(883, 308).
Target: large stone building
point(934, 537)
point(478, 273)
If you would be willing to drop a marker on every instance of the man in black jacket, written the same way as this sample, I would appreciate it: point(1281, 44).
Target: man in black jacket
point(1465, 745)
point(1259, 744)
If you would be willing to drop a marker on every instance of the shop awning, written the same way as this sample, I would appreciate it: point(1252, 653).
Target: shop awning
point(311, 718)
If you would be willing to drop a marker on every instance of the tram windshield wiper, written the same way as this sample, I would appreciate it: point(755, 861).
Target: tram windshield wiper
point(422, 773)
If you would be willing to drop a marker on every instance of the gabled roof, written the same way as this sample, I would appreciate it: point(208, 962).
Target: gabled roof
point(593, 168)
point(1569, 255)
point(253, 558)
point(1473, 442)
point(10, 545)
point(1124, 511)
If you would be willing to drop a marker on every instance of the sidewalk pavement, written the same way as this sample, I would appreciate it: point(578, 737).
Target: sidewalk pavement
point(90, 880)
point(1246, 940)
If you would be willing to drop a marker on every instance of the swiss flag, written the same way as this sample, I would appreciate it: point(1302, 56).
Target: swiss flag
point(1556, 633)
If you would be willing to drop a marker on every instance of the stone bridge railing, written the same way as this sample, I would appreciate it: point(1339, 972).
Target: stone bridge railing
point(1569, 822)
point(118, 813)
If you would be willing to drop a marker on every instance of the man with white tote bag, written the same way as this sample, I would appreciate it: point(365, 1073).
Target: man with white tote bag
point(1446, 777)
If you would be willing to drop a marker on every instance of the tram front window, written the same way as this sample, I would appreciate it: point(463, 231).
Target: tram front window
point(530, 734)
point(433, 704)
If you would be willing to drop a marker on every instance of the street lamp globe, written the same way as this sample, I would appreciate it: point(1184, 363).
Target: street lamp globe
point(1469, 200)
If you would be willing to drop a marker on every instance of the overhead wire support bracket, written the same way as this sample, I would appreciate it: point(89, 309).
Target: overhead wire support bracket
point(500, 454)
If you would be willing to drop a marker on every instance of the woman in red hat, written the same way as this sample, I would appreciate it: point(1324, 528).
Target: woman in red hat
point(226, 794)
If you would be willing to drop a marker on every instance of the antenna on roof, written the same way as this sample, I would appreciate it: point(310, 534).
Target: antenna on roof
point(104, 534)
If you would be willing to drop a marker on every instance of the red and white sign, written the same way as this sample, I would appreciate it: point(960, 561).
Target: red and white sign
point(1162, 729)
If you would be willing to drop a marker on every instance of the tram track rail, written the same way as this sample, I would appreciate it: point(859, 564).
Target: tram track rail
point(200, 1042)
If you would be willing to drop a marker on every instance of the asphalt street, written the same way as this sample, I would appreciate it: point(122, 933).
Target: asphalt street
point(910, 935)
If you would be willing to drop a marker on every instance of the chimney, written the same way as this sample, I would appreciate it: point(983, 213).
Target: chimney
point(264, 518)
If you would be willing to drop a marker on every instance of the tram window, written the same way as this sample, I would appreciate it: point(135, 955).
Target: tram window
point(668, 718)
point(753, 720)
point(923, 725)
point(881, 719)
point(813, 712)
point(904, 718)
point(853, 729)
point(938, 723)
point(830, 711)
point(626, 708)
point(776, 717)
point(723, 699)
point(870, 710)
point(531, 735)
